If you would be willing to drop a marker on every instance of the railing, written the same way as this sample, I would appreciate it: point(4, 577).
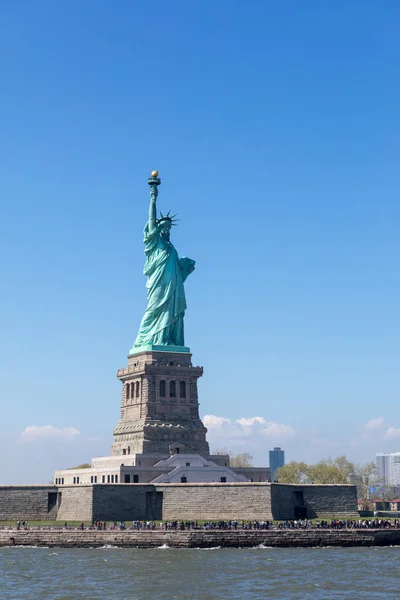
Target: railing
point(134, 369)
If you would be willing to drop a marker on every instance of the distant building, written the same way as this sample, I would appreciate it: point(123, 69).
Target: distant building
point(379, 504)
point(395, 504)
point(382, 466)
point(276, 460)
point(388, 467)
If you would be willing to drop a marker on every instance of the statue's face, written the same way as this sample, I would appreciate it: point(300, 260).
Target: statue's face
point(164, 229)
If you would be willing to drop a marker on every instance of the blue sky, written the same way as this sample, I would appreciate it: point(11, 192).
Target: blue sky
point(275, 127)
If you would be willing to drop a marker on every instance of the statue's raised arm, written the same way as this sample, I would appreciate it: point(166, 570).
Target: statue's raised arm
point(154, 182)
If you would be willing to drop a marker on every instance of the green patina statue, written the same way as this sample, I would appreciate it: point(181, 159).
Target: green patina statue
point(162, 323)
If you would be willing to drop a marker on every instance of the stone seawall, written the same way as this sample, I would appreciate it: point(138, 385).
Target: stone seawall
point(176, 502)
point(200, 539)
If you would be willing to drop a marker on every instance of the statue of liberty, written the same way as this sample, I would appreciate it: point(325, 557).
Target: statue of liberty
point(162, 323)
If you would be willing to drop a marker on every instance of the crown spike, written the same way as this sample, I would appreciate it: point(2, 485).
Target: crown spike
point(167, 217)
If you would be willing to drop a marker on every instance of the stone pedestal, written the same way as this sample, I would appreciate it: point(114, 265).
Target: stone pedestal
point(160, 407)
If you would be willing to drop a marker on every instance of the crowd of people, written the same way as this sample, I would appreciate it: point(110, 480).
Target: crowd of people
point(340, 524)
point(362, 523)
point(221, 525)
point(290, 524)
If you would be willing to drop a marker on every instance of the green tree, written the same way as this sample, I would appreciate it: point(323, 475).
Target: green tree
point(242, 459)
point(364, 477)
point(82, 466)
point(385, 492)
point(339, 470)
point(293, 472)
point(328, 470)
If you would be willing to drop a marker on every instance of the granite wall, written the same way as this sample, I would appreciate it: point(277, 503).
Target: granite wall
point(176, 501)
point(208, 501)
point(311, 501)
point(120, 502)
point(28, 502)
point(76, 503)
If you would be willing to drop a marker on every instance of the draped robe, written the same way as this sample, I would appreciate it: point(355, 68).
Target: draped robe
point(162, 323)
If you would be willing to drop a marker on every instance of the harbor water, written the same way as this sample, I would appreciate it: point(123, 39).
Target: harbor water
point(205, 574)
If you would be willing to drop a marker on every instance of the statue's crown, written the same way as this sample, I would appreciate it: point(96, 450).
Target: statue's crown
point(170, 218)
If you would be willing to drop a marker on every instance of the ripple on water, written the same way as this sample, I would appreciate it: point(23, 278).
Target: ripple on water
point(133, 574)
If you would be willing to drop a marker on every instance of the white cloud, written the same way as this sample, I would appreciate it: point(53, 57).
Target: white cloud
point(278, 430)
point(33, 433)
point(252, 421)
point(374, 424)
point(250, 431)
point(211, 421)
point(392, 432)
point(371, 429)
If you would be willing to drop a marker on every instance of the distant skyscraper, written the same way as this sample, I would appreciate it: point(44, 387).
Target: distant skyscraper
point(388, 466)
point(276, 460)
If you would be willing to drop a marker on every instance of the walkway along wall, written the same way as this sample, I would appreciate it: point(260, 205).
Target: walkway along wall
point(193, 501)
